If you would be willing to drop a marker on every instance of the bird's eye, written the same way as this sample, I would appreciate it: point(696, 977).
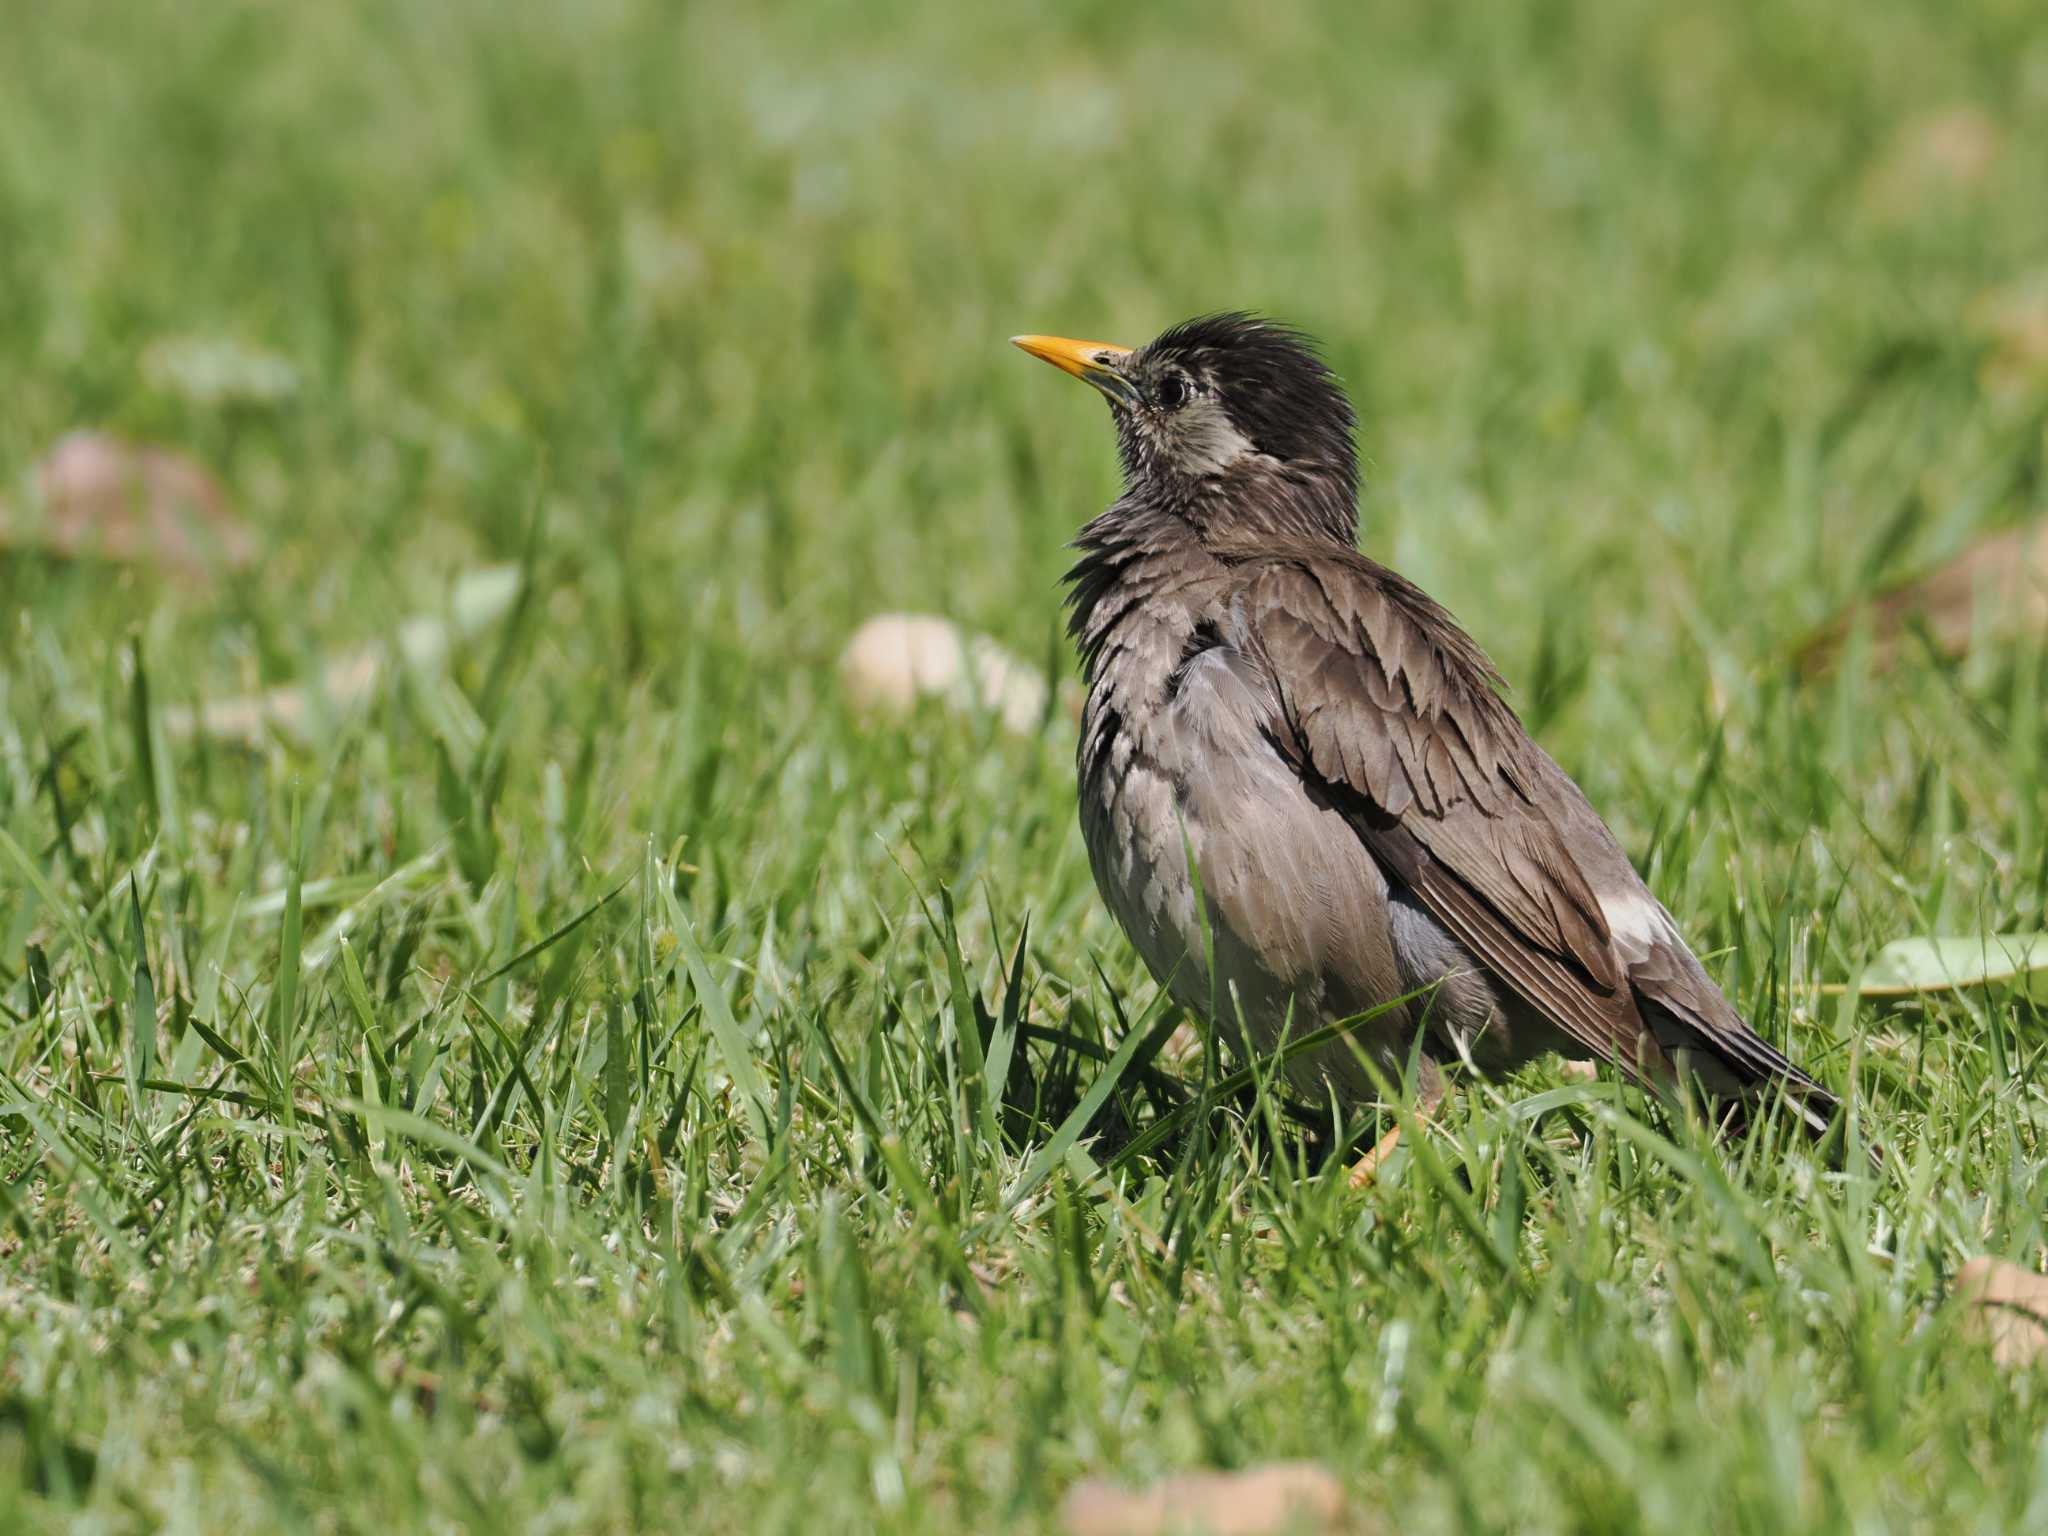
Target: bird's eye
point(1174, 392)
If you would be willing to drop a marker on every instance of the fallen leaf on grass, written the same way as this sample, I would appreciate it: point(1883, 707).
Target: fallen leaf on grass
point(218, 370)
point(477, 600)
point(1994, 588)
point(894, 659)
point(1277, 1496)
point(1932, 157)
point(102, 497)
point(1910, 967)
point(2009, 1306)
point(2013, 320)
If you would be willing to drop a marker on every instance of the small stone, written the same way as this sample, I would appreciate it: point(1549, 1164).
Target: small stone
point(894, 659)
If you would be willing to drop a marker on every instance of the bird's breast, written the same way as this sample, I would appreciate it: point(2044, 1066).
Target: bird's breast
point(1132, 768)
point(1181, 782)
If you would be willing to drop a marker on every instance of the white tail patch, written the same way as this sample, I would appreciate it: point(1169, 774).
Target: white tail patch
point(1637, 915)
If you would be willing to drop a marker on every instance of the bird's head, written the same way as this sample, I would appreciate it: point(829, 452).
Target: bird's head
point(1229, 413)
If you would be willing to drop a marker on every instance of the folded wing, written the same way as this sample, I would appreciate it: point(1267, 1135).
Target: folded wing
point(1390, 709)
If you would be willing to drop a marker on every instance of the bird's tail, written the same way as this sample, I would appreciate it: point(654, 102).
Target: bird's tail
point(1732, 1063)
point(1813, 1104)
point(1816, 1109)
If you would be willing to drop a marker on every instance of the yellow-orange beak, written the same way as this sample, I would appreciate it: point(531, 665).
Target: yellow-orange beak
point(1098, 362)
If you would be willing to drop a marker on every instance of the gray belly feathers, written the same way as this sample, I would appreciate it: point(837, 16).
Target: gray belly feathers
point(1185, 786)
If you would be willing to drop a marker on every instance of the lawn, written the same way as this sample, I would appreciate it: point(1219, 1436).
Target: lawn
point(594, 1080)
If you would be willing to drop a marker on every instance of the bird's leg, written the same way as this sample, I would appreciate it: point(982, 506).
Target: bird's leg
point(1367, 1167)
point(1430, 1088)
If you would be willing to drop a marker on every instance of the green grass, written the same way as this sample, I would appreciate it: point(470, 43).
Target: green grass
point(554, 1096)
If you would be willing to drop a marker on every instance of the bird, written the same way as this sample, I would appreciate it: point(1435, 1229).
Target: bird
point(1305, 796)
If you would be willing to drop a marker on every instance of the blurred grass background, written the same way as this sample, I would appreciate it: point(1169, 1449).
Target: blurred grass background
point(1671, 331)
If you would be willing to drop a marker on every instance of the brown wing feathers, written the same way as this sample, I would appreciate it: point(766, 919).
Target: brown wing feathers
point(1392, 708)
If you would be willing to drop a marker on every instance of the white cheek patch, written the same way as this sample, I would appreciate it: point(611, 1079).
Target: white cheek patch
point(1201, 440)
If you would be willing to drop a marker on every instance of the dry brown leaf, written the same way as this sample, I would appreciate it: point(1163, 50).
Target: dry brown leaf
point(1941, 153)
point(99, 496)
point(2013, 319)
point(894, 659)
point(2009, 1306)
point(1276, 1496)
point(1994, 588)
